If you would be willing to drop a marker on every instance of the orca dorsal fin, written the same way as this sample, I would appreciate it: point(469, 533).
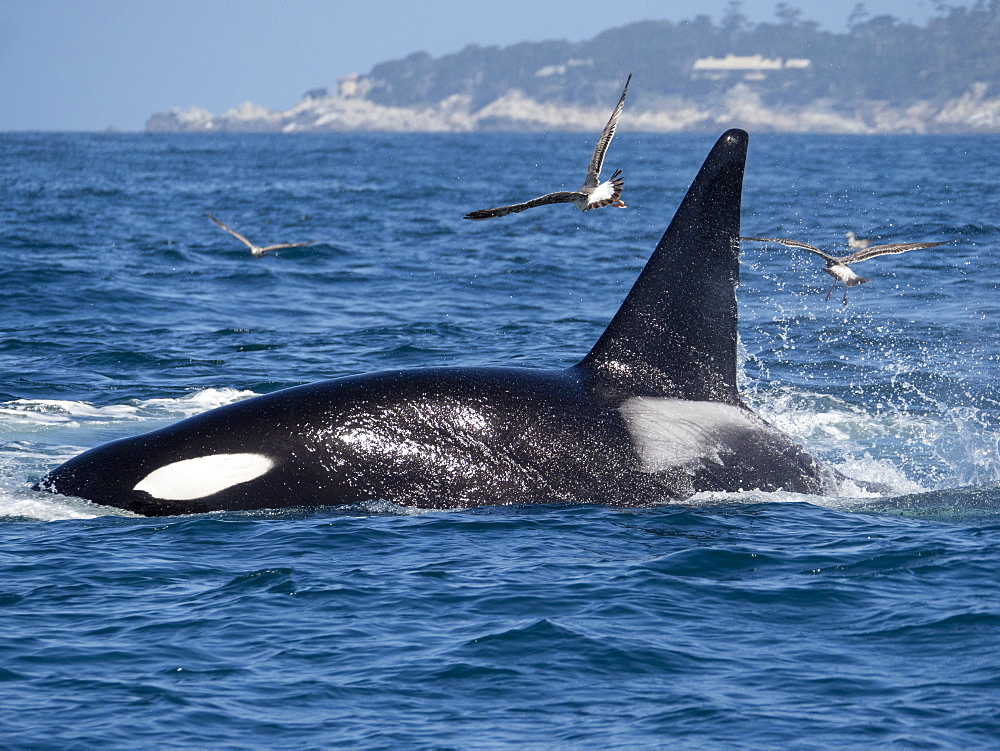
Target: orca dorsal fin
point(675, 334)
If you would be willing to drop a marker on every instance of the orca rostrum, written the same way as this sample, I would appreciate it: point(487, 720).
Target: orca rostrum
point(651, 414)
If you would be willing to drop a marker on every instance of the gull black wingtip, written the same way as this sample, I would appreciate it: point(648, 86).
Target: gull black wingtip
point(593, 194)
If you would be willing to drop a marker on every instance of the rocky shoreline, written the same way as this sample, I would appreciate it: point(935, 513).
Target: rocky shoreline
point(972, 112)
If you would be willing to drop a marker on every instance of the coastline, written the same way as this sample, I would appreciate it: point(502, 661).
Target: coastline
point(972, 112)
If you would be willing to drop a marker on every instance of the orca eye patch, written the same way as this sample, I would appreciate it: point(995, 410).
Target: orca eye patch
point(203, 476)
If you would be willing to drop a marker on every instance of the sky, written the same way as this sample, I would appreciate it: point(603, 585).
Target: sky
point(87, 65)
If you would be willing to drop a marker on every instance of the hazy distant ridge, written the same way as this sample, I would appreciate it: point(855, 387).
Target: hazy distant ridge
point(881, 77)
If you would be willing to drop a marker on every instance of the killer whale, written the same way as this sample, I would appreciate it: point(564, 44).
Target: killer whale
point(652, 413)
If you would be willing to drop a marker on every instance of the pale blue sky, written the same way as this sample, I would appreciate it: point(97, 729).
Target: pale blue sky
point(90, 64)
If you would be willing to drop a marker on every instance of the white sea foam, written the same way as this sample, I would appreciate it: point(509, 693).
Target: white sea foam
point(21, 503)
point(906, 452)
point(39, 434)
point(918, 449)
point(18, 470)
point(44, 412)
point(54, 411)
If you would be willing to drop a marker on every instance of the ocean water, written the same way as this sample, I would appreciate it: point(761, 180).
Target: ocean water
point(742, 620)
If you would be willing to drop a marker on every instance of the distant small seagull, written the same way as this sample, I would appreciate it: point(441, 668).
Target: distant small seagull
point(256, 250)
point(856, 243)
point(837, 267)
point(593, 195)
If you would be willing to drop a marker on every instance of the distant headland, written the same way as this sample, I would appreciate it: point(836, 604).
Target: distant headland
point(882, 76)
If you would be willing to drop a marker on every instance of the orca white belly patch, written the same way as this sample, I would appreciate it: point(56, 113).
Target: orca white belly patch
point(671, 433)
point(203, 476)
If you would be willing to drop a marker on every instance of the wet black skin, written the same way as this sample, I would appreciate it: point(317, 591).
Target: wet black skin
point(449, 437)
point(457, 437)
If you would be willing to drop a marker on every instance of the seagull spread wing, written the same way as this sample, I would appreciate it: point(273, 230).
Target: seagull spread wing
point(564, 196)
point(233, 232)
point(881, 250)
point(796, 244)
point(597, 160)
point(286, 245)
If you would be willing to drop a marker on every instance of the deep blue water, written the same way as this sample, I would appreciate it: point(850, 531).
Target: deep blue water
point(731, 620)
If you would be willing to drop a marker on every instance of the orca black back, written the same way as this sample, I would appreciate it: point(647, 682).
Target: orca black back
point(651, 414)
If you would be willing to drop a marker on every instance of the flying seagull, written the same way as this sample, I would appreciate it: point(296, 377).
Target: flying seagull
point(593, 194)
point(856, 243)
point(256, 250)
point(837, 267)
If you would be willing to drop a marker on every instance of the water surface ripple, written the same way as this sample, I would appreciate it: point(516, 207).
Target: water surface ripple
point(743, 620)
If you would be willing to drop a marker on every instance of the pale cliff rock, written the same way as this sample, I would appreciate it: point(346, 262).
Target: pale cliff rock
point(972, 112)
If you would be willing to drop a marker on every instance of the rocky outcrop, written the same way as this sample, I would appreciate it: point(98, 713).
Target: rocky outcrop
point(972, 112)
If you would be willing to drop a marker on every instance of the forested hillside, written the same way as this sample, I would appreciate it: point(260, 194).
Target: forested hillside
point(880, 58)
point(880, 76)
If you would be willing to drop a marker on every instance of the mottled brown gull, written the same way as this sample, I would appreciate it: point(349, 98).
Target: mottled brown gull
point(838, 266)
point(856, 243)
point(593, 194)
point(257, 250)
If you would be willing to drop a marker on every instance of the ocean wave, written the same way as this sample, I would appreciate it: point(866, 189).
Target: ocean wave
point(39, 434)
point(931, 445)
point(43, 412)
point(19, 503)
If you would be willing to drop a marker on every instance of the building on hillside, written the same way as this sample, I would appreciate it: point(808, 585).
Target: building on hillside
point(749, 67)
